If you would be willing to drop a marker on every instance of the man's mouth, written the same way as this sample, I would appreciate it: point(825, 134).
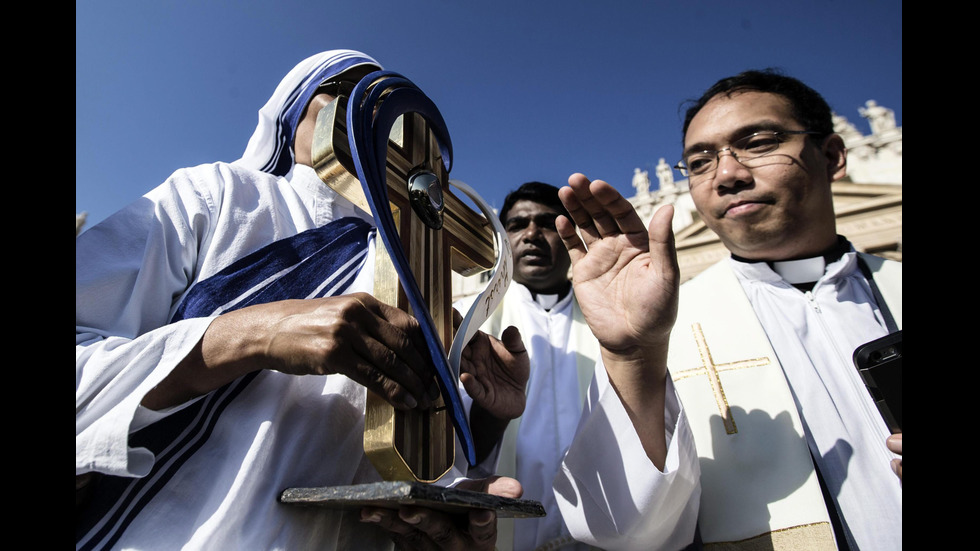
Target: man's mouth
point(535, 256)
point(736, 208)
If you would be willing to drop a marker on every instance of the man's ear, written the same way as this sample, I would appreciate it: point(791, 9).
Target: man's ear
point(836, 155)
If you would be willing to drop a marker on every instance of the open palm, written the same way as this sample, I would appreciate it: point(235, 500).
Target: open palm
point(625, 275)
point(495, 372)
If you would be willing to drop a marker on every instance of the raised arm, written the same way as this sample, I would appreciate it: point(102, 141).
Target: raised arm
point(626, 280)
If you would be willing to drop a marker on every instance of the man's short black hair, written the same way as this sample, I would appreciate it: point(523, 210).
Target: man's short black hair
point(809, 107)
point(538, 192)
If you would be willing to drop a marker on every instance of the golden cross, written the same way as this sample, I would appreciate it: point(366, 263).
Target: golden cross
point(414, 444)
point(711, 369)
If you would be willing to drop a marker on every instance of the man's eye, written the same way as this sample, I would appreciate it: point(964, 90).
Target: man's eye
point(546, 222)
point(516, 225)
point(761, 144)
point(698, 165)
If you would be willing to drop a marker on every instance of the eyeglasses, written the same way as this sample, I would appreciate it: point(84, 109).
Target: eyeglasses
point(744, 150)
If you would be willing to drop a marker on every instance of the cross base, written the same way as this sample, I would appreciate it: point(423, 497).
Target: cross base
point(393, 494)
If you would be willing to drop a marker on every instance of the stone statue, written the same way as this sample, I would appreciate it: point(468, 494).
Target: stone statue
point(846, 129)
point(666, 175)
point(79, 222)
point(880, 118)
point(641, 181)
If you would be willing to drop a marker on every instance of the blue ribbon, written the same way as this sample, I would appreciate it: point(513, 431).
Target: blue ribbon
point(368, 127)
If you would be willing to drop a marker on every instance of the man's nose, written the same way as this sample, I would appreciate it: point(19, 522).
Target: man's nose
point(730, 171)
point(532, 232)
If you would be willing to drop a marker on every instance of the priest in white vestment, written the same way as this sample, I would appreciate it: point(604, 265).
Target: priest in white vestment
point(563, 353)
point(793, 451)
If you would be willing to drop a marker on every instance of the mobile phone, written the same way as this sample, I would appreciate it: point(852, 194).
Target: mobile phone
point(880, 364)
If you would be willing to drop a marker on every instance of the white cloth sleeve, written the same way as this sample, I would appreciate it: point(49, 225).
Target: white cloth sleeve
point(609, 492)
point(129, 272)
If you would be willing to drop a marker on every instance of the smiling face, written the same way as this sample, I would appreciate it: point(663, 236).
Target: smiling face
point(541, 261)
point(782, 208)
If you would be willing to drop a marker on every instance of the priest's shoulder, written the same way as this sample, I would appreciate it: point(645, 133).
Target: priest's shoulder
point(879, 264)
point(708, 276)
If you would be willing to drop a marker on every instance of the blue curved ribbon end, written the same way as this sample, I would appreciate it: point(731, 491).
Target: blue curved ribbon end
point(369, 124)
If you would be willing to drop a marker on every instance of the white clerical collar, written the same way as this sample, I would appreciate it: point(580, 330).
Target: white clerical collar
point(548, 303)
point(804, 270)
point(799, 272)
point(545, 301)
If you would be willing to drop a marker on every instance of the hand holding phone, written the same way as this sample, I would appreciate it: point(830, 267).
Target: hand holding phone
point(880, 364)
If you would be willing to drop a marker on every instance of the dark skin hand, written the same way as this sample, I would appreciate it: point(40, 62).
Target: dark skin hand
point(423, 529)
point(372, 343)
point(494, 373)
point(377, 345)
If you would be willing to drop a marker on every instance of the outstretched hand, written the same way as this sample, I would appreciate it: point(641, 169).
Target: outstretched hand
point(626, 280)
point(494, 373)
point(625, 275)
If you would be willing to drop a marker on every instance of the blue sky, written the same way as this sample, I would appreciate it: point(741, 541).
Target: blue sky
point(530, 90)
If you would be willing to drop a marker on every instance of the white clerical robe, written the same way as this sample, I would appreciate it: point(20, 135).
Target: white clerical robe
point(281, 431)
point(744, 384)
point(554, 437)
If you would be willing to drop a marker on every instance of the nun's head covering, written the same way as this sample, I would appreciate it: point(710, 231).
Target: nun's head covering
point(270, 149)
